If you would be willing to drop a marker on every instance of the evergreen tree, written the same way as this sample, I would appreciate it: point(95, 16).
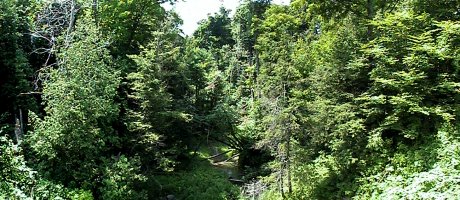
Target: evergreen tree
point(160, 116)
point(80, 107)
point(214, 32)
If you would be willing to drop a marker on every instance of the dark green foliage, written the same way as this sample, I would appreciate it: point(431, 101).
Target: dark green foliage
point(245, 25)
point(160, 116)
point(129, 23)
point(440, 10)
point(15, 72)
point(200, 181)
point(215, 32)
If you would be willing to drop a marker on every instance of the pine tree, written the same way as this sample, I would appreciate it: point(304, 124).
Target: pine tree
point(159, 117)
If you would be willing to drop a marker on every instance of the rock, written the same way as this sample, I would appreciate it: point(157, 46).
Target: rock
point(170, 197)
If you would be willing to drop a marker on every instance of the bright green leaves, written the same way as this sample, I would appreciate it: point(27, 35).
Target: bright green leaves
point(427, 172)
point(246, 23)
point(413, 70)
point(79, 102)
point(411, 107)
point(119, 177)
point(277, 31)
point(356, 98)
point(18, 181)
point(16, 178)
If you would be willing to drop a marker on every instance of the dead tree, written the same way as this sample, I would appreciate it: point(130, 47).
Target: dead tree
point(55, 20)
point(254, 189)
point(18, 128)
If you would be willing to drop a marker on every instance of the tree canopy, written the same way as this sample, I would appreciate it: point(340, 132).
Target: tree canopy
point(105, 99)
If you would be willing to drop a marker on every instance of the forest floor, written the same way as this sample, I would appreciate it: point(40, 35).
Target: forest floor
point(209, 175)
point(224, 159)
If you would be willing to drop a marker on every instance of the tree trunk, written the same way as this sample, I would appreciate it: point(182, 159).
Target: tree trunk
point(281, 182)
point(95, 10)
point(71, 22)
point(288, 160)
point(21, 120)
point(370, 16)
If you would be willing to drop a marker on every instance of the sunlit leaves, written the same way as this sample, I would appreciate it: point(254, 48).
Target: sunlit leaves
point(80, 108)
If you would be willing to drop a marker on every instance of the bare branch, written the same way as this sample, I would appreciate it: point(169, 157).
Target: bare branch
point(29, 93)
point(55, 20)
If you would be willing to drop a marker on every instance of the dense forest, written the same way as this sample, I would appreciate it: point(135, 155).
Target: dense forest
point(108, 99)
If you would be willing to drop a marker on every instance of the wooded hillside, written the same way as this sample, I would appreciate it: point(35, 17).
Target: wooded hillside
point(108, 99)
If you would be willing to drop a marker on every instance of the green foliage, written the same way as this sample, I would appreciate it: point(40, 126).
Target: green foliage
point(319, 99)
point(245, 25)
point(359, 110)
point(17, 179)
point(120, 176)
point(159, 92)
point(200, 181)
point(215, 32)
point(439, 10)
point(21, 182)
point(399, 110)
point(80, 109)
point(415, 109)
point(130, 23)
point(407, 176)
point(14, 67)
point(412, 90)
